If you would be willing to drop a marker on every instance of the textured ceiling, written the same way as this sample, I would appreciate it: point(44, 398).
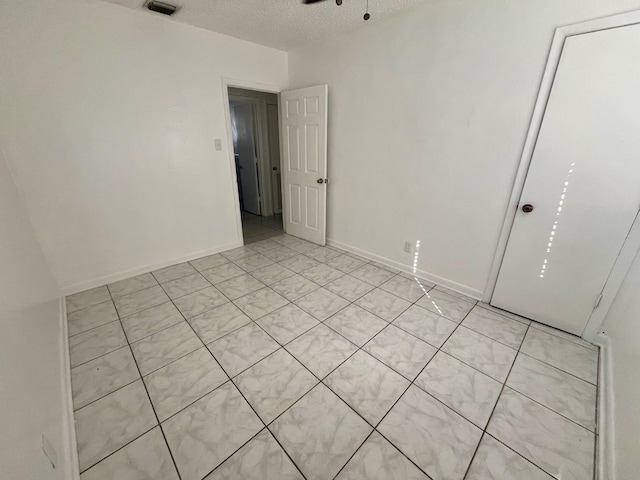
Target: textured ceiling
point(281, 24)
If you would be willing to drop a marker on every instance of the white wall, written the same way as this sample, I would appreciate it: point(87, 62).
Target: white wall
point(623, 328)
point(428, 111)
point(108, 118)
point(31, 388)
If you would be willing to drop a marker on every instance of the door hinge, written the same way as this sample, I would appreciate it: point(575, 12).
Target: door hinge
point(598, 300)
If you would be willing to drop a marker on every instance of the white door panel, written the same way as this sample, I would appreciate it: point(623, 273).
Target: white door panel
point(583, 182)
point(247, 158)
point(304, 162)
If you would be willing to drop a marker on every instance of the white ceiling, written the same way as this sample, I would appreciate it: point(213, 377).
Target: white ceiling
point(282, 24)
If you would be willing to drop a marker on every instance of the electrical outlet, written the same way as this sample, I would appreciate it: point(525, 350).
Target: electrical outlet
point(218, 143)
point(407, 247)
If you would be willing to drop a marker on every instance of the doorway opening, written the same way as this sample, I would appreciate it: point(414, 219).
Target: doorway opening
point(256, 147)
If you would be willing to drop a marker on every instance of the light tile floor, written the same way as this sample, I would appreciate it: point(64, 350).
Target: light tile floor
point(285, 360)
point(256, 228)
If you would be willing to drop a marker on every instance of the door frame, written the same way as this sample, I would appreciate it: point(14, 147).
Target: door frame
point(259, 87)
point(632, 242)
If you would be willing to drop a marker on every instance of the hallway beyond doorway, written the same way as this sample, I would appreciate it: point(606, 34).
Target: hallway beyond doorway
point(256, 228)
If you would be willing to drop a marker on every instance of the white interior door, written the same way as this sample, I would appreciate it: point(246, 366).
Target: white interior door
point(274, 155)
point(303, 117)
point(247, 157)
point(583, 184)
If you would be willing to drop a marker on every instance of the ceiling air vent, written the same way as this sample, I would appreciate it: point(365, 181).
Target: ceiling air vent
point(161, 7)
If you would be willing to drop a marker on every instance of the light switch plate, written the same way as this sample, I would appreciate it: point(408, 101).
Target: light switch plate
point(218, 144)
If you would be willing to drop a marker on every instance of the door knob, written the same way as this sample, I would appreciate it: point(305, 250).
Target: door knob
point(527, 208)
point(320, 180)
point(274, 168)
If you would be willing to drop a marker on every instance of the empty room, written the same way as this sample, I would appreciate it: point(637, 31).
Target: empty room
point(320, 239)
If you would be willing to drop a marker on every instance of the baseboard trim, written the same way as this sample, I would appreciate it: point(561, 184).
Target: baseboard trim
point(132, 272)
point(605, 455)
point(457, 287)
point(69, 428)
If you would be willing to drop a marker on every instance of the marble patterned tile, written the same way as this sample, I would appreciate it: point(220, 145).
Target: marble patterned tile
point(495, 326)
point(320, 433)
point(372, 274)
point(564, 335)
point(557, 445)
point(383, 304)
point(81, 300)
point(349, 287)
point(159, 349)
point(150, 321)
point(264, 245)
point(493, 461)
point(242, 348)
point(563, 354)
point(322, 254)
point(173, 272)
point(91, 317)
point(96, 342)
point(563, 393)
point(279, 253)
point(272, 273)
point(182, 382)
point(204, 434)
point(208, 262)
point(426, 325)
point(239, 286)
point(104, 426)
point(445, 305)
point(301, 246)
point(287, 323)
point(294, 287)
point(321, 350)
point(141, 300)
point(199, 302)
point(408, 289)
point(238, 253)
point(437, 439)
point(345, 263)
point(147, 457)
point(377, 459)
point(222, 272)
point(401, 351)
point(356, 324)
point(131, 285)
point(367, 385)
point(260, 459)
point(285, 239)
point(467, 391)
point(182, 286)
point(274, 384)
point(480, 352)
point(322, 274)
point(103, 375)
point(260, 303)
point(253, 262)
point(321, 303)
point(219, 321)
point(299, 263)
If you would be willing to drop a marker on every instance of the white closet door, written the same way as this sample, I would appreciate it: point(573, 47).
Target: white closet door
point(583, 184)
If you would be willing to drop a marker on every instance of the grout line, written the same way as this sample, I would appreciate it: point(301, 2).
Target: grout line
point(358, 348)
point(558, 368)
